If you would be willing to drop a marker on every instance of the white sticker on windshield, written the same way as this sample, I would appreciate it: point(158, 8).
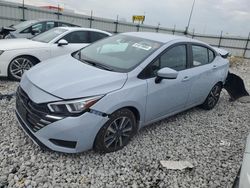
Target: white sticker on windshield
point(141, 46)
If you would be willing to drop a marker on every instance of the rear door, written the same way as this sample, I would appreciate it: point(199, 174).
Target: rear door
point(170, 95)
point(204, 70)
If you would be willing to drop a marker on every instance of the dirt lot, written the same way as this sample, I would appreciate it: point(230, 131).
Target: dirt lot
point(213, 141)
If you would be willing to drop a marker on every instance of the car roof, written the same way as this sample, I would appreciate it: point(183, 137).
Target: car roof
point(84, 29)
point(52, 20)
point(161, 37)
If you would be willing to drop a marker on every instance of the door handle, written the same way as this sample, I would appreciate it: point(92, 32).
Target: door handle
point(214, 67)
point(186, 78)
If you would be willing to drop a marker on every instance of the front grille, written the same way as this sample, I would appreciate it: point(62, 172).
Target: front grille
point(30, 133)
point(33, 114)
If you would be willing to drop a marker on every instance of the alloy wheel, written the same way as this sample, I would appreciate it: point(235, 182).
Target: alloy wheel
point(18, 66)
point(214, 96)
point(118, 133)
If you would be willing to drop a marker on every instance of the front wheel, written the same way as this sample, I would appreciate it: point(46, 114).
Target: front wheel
point(18, 66)
point(117, 132)
point(212, 97)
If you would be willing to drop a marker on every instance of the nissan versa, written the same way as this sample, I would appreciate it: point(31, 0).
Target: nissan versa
point(100, 96)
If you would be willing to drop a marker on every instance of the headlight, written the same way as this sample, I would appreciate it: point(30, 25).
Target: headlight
point(74, 106)
point(1, 51)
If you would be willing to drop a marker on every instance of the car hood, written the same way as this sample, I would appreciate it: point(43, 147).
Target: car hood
point(14, 44)
point(69, 78)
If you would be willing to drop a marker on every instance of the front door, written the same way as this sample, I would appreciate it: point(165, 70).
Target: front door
point(170, 95)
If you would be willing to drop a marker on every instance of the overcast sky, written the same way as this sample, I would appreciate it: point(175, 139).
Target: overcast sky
point(209, 16)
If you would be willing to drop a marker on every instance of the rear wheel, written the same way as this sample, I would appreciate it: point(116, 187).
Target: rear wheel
point(212, 97)
point(117, 132)
point(19, 65)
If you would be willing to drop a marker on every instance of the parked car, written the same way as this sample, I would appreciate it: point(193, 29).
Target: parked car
point(30, 28)
point(19, 55)
point(100, 96)
point(243, 178)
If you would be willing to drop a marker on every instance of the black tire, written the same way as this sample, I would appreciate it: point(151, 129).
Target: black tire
point(116, 132)
point(213, 97)
point(19, 65)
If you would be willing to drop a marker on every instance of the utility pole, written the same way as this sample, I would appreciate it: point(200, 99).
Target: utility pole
point(58, 9)
point(23, 11)
point(90, 19)
point(190, 16)
point(116, 24)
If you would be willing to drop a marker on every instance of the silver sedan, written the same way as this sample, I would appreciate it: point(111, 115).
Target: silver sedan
point(100, 96)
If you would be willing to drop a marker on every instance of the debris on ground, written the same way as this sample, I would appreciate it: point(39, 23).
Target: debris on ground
point(7, 96)
point(177, 165)
point(245, 99)
point(225, 143)
point(235, 86)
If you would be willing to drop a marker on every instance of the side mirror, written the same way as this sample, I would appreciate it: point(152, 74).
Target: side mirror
point(165, 73)
point(34, 31)
point(62, 42)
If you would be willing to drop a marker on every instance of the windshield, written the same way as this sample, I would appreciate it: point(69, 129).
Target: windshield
point(119, 53)
point(49, 35)
point(24, 24)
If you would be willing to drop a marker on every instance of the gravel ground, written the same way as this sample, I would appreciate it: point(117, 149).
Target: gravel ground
point(213, 141)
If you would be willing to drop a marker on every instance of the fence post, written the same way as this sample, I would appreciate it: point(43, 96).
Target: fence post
point(158, 27)
point(220, 38)
point(116, 24)
point(138, 27)
point(193, 33)
point(58, 13)
point(91, 19)
point(23, 11)
point(174, 29)
point(245, 50)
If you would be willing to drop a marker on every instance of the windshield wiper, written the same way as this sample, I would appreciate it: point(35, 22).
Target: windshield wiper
point(96, 64)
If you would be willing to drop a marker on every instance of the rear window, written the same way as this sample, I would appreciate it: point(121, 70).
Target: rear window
point(202, 55)
point(95, 36)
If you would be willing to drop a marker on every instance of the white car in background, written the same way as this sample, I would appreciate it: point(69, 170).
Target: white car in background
point(19, 55)
point(30, 28)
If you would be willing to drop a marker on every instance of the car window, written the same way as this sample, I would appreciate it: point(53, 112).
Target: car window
point(28, 30)
point(38, 28)
point(211, 55)
point(94, 36)
point(200, 55)
point(62, 24)
point(174, 58)
point(50, 25)
point(77, 37)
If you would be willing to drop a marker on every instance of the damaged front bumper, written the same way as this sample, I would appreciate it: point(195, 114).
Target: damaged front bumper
point(5, 31)
point(68, 135)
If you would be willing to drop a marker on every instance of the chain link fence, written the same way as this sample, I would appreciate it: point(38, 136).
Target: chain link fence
point(13, 13)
